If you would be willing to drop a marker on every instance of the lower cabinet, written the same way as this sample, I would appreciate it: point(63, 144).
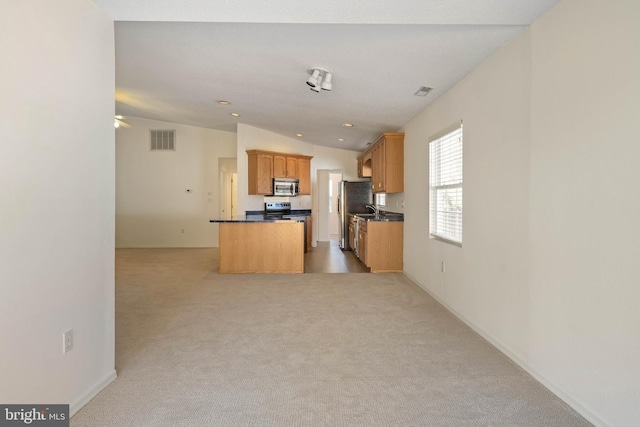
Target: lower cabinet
point(362, 241)
point(380, 245)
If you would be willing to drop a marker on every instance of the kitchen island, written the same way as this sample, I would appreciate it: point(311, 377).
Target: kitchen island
point(257, 244)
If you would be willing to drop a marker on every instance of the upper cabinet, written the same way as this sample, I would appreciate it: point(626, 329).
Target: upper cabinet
point(285, 166)
point(266, 165)
point(384, 163)
point(364, 165)
point(260, 172)
point(304, 175)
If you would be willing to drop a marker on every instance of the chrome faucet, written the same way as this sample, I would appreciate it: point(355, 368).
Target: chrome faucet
point(374, 208)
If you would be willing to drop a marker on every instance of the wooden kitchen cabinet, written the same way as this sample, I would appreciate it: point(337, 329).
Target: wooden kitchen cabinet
point(364, 164)
point(279, 166)
point(274, 247)
point(304, 175)
point(387, 163)
point(285, 166)
point(378, 183)
point(362, 242)
point(266, 165)
point(380, 245)
point(260, 173)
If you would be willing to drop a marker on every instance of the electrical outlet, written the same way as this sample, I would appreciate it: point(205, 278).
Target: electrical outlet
point(443, 267)
point(67, 341)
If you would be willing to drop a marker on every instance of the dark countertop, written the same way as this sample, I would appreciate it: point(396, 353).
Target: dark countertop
point(383, 216)
point(259, 216)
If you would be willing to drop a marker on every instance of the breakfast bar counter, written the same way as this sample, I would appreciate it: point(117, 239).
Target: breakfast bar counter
point(257, 244)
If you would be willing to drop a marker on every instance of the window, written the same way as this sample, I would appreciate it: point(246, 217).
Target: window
point(380, 200)
point(445, 185)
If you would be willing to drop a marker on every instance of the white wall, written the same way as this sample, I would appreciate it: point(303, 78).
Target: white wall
point(336, 159)
point(153, 207)
point(584, 229)
point(548, 270)
point(56, 201)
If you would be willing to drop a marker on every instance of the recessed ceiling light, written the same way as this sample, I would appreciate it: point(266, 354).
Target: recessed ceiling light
point(298, 134)
point(348, 125)
point(341, 139)
point(221, 102)
point(118, 117)
point(235, 114)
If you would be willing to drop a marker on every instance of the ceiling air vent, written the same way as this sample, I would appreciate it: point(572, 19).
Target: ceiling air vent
point(423, 91)
point(163, 139)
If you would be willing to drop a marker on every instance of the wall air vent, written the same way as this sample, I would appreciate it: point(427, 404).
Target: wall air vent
point(163, 139)
point(423, 91)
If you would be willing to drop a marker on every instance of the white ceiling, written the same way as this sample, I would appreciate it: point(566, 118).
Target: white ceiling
point(176, 58)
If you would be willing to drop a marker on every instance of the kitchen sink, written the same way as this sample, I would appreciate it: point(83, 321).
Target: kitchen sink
point(387, 216)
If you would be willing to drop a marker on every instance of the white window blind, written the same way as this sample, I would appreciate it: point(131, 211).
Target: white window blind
point(445, 185)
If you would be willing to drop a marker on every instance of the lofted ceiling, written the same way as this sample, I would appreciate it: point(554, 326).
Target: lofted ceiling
point(176, 58)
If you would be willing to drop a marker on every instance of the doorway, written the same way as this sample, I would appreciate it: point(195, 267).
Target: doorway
point(328, 220)
point(228, 169)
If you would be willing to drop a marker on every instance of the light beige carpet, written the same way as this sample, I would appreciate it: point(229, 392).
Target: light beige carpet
point(195, 348)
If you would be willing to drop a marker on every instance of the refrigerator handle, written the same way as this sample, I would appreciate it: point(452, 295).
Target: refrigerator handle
point(338, 199)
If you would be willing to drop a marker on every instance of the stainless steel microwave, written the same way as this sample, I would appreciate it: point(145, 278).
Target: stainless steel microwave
point(286, 187)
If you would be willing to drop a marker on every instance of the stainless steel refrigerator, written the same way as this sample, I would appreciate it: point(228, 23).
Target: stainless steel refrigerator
point(353, 198)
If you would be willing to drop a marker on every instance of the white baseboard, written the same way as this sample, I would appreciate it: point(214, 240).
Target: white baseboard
point(92, 392)
point(518, 360)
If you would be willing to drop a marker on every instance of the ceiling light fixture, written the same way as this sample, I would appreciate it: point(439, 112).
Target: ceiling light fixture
point(316, 87)
point(222, 102)
point(341, 139)
point(326, 84)
point(235, 114)
point(320, 78)
point(298, 134)
point(118, 121)
point(348, 125)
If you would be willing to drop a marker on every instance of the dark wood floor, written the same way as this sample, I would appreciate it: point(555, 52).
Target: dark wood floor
point(327, 257)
